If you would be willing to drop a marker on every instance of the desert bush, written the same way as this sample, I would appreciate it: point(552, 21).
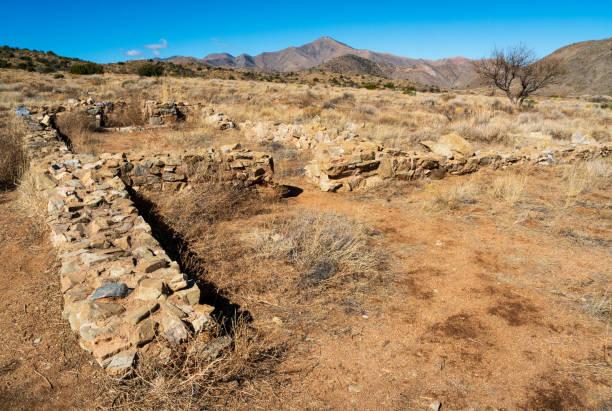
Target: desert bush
point(311, 112)
point(367, 109)
point(411, 91)
point(13, 155)
point(307, 99)
point(86, 68)
point(325, 247)
point(151, 70)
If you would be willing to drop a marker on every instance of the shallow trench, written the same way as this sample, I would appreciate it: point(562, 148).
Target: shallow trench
point(178, 250)
point(226, 312)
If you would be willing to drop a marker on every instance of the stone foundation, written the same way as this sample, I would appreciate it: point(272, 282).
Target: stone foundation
point(123, 295)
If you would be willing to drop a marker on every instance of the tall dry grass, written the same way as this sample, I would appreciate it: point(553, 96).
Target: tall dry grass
point(325, 247)
point(581, 178)
point(509, 188)
point(13, 154)
point(81, 130)
point(441, 197)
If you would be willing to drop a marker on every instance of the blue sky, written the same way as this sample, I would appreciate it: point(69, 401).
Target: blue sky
point(113, 31)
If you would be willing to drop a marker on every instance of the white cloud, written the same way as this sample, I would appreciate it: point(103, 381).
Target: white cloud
point(161, 45)
point(133, 53)
point(155, 52)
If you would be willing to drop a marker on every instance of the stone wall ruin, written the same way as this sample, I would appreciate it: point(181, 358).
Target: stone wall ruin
point(123, 295)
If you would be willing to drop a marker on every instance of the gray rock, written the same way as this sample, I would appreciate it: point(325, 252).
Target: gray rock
point(121, 362)
point(117, 290)
point(21, 111)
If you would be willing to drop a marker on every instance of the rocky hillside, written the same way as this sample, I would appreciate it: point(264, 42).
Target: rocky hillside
point(352, 64)
point(34, 60)
point(451, 72)
point(589, 67)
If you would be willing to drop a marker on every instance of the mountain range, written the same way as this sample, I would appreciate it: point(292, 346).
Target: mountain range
point(589, 64)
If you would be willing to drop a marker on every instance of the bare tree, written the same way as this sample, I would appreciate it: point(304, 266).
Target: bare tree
point(517, 72)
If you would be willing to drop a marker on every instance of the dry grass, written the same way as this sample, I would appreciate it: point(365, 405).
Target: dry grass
point(202, 374)
point(327, 248)
point(389, 116)
point(454, 197)
point(81, 130)
point(585, 177)
point(509, 188)
point(31, 201)
point(13, 156)
point(598, 305)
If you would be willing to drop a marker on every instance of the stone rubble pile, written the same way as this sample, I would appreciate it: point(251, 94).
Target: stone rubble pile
point(123, 295)
point(156, 113)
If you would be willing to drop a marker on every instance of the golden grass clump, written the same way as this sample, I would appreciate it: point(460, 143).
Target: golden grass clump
point(584, 177)
point(509, 188)
point(13, 155)
point(325, 247)
point(453, 197)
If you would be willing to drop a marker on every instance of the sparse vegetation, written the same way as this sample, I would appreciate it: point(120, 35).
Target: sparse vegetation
point(13, 156)
point(327, 248)
point(151, 70)
point(86, 68)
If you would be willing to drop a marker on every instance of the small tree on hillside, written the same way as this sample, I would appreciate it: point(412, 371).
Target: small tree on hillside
point(517, 72)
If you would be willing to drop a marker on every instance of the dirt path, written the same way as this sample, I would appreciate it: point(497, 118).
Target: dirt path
point(41, 364)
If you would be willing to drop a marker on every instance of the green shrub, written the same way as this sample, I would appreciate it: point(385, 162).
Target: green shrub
point(411, 91)
point(86, 68)
point(151, 70)
point(369, 86)
point(389, 85)
point(607, 105)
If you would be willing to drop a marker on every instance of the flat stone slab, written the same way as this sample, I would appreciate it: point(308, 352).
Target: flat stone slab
point(118, 290)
